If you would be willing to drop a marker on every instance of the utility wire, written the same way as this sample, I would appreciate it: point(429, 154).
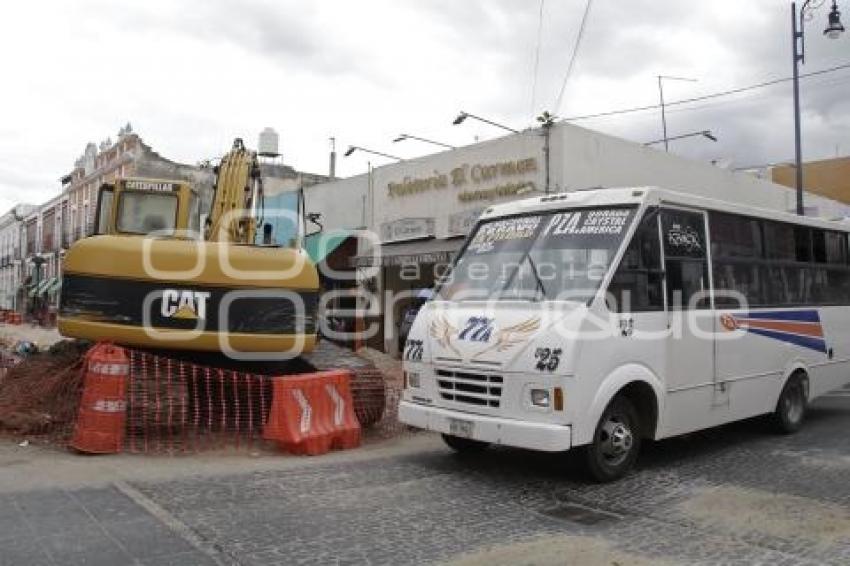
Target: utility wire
point(574, 55)
point(757, 97)
point(536, 59)
point(705, 97)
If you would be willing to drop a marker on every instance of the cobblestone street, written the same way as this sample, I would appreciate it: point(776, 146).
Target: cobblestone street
point(735, 495)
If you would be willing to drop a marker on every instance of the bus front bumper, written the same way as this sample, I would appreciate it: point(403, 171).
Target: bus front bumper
point(508, 432)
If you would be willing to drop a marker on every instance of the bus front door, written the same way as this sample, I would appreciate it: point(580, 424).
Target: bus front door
point(690, 344)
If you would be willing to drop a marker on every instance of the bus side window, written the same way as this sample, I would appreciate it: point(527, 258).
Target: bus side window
point(686, 265)
point(636, 285)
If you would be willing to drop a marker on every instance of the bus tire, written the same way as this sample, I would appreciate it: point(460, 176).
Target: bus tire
point(464, 445)
point(616, 442)
point(792, 405)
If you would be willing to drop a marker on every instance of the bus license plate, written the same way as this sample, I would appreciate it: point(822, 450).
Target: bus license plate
point(461, 428)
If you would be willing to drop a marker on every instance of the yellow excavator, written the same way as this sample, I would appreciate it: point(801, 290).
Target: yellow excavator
point(149, 278)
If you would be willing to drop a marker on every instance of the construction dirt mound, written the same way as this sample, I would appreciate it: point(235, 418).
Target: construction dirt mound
point(39, 393)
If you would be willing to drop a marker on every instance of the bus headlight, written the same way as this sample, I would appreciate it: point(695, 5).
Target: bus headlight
point(412, 379)
point(540, 397)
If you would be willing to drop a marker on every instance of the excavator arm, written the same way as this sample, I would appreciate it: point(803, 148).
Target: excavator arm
point(237, 205)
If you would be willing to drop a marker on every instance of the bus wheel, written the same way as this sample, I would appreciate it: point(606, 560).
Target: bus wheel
point(616, 442)
point(462, 445)
point(791, 407)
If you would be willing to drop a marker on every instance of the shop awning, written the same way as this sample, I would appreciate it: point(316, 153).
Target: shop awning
point(434, 250)
point(56, 285)
point(320, 246)
point(45, 285)
point(37, 289)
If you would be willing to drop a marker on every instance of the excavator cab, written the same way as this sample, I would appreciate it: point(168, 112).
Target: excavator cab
point(165, 208)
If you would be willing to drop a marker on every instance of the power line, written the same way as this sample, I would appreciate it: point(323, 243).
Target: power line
point(755, 97)
point(747, 98)
point(536, 58)
point(706, 96)
point(574, 55)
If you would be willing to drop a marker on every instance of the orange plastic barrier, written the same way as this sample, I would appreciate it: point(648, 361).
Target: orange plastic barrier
point(312, 413)
point(103, 408)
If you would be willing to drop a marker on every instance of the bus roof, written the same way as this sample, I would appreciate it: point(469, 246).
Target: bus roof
point(618, 196)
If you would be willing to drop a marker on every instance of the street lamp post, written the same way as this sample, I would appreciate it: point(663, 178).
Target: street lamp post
point(402, 137)
point(833, 30)
point(37, 261)
point(704, 133)
point(464, 115)
point(352, 148)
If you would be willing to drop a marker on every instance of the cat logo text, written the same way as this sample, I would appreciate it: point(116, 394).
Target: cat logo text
point(184, 304)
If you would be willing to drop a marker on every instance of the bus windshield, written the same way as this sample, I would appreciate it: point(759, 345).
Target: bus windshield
point(559, 255)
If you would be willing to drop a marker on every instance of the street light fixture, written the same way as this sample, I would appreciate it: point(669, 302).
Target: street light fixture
point(833, 30)
point(402, 137)
point(352, 148)
point(704, 133)
point(835, 27)
point(464, 115)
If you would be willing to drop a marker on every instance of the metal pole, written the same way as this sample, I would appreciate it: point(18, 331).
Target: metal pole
point(546, 135)
point(332, 164)
point(798, 149)
point(663, 113)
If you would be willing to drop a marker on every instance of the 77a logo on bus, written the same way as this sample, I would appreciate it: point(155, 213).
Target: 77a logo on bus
point(477, 329)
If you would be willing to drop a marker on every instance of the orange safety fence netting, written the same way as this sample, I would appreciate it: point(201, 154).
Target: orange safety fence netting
point(172, 405)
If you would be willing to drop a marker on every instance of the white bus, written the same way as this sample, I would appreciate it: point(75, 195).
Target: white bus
point(599, 318)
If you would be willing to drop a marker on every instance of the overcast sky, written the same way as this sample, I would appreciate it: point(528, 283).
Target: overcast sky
point(190, 76)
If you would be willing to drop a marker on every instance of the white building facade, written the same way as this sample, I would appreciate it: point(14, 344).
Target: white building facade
point(11, 256)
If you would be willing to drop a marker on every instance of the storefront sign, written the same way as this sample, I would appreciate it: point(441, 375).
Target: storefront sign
point(407, 229)
point(478, 181)
point(412, 185)
point(481, 173)
point(419, 259)
point(461, 223)
point(499, 191)
point(416, 258)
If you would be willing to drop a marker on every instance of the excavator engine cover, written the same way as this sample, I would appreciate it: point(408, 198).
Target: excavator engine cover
point(189, 295)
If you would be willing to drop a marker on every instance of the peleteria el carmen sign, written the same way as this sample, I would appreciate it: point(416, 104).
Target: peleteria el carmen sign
point(477, 182)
